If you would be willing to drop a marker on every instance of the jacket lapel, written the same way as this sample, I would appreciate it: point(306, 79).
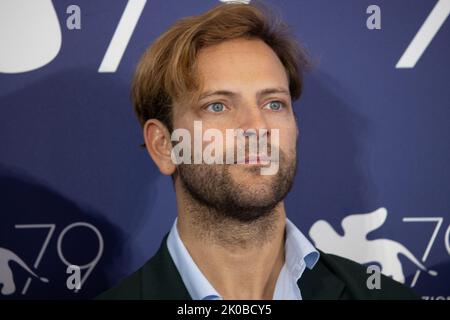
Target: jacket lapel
point(161, 279)
point(320, 283)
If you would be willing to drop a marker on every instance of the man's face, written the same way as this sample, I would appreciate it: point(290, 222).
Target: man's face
point(245, 86)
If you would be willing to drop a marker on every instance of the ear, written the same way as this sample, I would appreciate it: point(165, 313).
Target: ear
point(159, 145)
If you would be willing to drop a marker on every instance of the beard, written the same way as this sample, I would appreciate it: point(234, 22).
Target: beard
point(213, 187)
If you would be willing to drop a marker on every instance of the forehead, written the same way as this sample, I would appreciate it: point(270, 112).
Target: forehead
point(240, 63)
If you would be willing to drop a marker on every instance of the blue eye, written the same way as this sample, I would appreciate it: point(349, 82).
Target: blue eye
point(215, 107)
point(274, 105)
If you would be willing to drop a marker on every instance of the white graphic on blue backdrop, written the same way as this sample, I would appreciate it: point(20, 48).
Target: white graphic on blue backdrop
point(354, 244)
point(10, 280)
point(426, 33)
point(6, 273)
point(30, 35)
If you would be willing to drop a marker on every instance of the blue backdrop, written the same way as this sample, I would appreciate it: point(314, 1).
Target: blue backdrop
point(76, 188)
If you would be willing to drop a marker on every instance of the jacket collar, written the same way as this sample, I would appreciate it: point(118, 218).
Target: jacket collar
point(161, 280)
point(320, 283)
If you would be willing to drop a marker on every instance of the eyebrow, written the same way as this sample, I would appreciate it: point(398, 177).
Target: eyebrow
point(259, 94)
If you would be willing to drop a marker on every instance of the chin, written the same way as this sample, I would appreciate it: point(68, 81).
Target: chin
point(250, 180)
point(254, 200)
point(248, 171)
point(256, 189)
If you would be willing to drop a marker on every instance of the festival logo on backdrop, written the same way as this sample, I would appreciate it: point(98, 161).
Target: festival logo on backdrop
point(355, 245)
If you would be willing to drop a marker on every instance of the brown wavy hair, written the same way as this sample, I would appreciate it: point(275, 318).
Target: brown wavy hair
point(166, 71)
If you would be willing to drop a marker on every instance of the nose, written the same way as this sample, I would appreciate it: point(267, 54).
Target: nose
point(252, 117)
point(253, 122)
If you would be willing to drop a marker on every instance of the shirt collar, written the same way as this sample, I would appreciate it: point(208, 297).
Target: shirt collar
point(196, 283)
point(298, 252)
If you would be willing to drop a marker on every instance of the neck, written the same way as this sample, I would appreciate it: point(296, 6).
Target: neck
point(242, 260)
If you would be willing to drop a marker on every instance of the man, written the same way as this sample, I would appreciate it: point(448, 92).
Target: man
point(233, 67)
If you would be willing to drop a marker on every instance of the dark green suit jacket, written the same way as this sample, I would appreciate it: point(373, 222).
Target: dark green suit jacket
point(332, 277)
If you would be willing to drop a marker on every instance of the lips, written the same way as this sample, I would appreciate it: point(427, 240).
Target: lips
point(257, 159)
